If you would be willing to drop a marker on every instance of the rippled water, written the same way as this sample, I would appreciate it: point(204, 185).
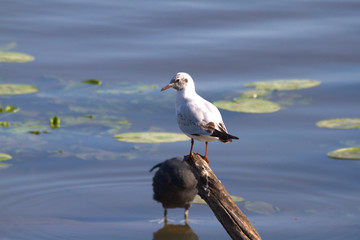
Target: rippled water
point(78, 182)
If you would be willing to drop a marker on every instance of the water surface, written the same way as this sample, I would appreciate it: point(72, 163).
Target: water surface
point(78, 182)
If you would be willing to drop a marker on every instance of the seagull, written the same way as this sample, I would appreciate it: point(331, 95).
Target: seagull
point(196, 117)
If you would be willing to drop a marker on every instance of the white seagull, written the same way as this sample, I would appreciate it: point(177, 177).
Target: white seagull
point(196, 117)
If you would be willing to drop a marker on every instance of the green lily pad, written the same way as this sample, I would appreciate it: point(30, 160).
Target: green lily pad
point(11, 109)
point(237, 199)
point(260, 207)
point(352, 153)
point(97, 154)
point(125, 122)
point(4, 124)
point(8, 46)
point(199, 200)
point(255, 93)
point(54, 122)
point(137, 88)
point(14, 89)
point(248, 105)
point(35, 132)
point(92, 81)
point(26, 127)
point(151, 137)
point(4, 157)
point(15, 57)
point(340, 123)
point(291, 84)
point(4, 165)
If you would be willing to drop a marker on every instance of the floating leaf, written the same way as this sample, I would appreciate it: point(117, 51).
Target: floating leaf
point(340, 123)
point(237, 199)
point(291, 84)
point(287, 99)
point(15, 57)
point(97, 154)
point(255, 93)
point(248, 105)
point(125, 122)
point(92, 81)
point(11, 109)
point(137, 88)
point(54, 122)
point(4, 157)
point(260, 207)
point(9, 46)
point(88, 116)
point(199, 200)
point(13, 89)
point(352, 153)
point(26, 127)
point(151, 137)
point(35, 132)
point(4, 165)
point(4, 124)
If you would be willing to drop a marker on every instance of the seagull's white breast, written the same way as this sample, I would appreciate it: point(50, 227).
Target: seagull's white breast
point(192, 111)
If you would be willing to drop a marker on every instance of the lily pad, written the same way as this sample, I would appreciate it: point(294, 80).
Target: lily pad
point(14, 89)
point(26, 127)
point(4, 157)
point(4, 124)
point(255, 93)
point(11, 109)
point(8, 46)
point(260, 207)
point(352, 153)
point(125, 122)
point(4, 165)
point(199, 200)
point(340, 123)
point(291, 84)
point(248, 105)
point(15, 57)
point(54, 122)
point(92, 81)
point(131, 89)
point(151, 137)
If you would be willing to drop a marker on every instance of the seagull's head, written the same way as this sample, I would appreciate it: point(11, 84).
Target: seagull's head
point(180, 81)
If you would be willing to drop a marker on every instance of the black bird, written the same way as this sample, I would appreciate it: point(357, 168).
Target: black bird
point(174, 185)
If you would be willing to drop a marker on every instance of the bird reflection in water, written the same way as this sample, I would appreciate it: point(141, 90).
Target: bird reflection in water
point(175, 232)
point(174, 185)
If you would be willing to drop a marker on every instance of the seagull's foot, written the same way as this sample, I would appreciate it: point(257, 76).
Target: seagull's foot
point(205, 158)
point(191, 155)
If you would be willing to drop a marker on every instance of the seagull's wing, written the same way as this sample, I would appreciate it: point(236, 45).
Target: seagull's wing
point(199, 117)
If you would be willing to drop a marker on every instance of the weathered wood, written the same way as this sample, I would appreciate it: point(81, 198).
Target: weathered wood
point(215, 195)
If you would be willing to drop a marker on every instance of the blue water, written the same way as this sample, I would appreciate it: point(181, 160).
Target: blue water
point(78, 182)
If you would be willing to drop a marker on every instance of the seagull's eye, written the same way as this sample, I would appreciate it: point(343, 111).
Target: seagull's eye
point(177, 80)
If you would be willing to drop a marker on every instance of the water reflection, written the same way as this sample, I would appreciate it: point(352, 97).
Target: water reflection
point(175, 232)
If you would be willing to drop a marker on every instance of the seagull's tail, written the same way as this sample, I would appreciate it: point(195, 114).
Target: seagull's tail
point(223, 136)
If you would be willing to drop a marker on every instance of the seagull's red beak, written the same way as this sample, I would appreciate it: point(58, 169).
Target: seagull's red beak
point(167, 86)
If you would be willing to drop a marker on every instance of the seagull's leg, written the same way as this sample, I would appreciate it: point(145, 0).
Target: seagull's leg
point(205, 157)
point(191, 149)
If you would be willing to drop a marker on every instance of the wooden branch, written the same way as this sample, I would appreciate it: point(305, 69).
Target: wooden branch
point(215, 195)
